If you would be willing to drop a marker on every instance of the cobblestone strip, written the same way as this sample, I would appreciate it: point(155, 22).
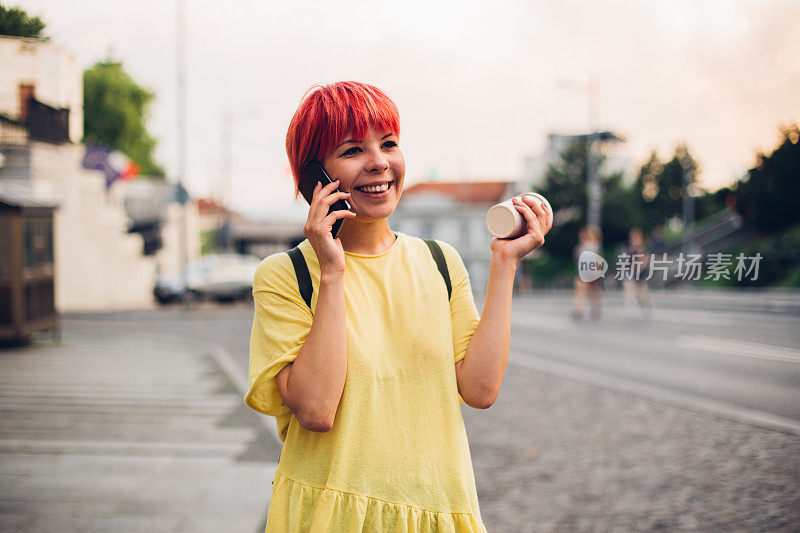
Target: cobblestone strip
point(558, 455)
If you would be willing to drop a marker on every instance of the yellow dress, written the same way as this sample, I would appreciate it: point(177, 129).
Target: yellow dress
point(397, 457)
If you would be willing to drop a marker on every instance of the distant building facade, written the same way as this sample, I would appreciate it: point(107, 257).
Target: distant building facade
point(98, 264)
point(455, 212)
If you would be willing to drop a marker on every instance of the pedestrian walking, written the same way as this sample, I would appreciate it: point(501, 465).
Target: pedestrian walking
point(589, 240)
point(634, 284)
point(366, 377)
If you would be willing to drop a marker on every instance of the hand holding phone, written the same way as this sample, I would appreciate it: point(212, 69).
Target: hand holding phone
point(321, 227)
point(312, 174)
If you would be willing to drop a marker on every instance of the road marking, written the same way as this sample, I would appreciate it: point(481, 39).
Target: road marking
point(530, 318)
point(695, 318)
point(686, 400)
point(738, 348)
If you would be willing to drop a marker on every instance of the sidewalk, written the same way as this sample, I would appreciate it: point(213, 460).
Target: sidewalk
point(125, 433)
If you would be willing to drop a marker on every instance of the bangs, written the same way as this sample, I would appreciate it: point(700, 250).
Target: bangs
point(329, 113)
point(353, 112)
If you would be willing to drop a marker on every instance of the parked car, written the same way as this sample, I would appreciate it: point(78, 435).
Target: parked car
point(221, 277)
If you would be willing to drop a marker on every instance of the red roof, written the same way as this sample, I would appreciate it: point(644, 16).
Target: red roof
point(207, 205)
point(473, 192)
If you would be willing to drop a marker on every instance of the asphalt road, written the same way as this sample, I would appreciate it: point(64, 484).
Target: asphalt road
point(694, 352)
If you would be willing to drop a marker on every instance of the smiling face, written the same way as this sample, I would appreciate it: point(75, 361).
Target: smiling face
point(365, 167)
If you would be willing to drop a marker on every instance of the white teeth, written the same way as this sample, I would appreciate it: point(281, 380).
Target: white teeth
point(381, 188)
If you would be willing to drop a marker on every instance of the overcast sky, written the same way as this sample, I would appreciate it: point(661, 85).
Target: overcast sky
point(476, 82)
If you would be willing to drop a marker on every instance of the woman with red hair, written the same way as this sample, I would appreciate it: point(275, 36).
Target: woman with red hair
point(366, 377)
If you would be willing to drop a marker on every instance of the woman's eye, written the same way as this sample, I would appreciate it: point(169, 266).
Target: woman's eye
point(352, 150)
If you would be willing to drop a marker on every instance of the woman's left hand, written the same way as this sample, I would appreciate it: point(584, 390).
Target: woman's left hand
point(539, 221)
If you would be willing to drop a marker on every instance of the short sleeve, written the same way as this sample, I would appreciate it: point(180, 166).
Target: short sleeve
point(463, 312)
point(281, 323)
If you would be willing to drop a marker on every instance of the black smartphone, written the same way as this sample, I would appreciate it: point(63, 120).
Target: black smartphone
point(311, 174)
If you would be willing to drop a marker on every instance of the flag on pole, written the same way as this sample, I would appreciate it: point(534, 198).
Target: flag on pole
point(113, 163)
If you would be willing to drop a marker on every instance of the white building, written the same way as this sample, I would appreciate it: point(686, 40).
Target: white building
point(98, 265)
point(455, 212)
point(32, 67)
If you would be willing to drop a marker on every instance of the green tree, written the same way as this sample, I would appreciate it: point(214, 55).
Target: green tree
point(565, 187)
point(115, 110)
point(14, 21)
point(661, 186)
point(767, 196)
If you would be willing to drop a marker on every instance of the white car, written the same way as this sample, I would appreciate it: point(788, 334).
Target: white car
point(223, 277)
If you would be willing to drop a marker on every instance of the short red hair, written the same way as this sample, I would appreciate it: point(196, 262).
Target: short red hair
point(328, 113)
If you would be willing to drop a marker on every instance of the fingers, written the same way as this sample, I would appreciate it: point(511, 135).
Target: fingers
point(324, 226)
point(319, 220)
point(541, 212)
point(327, 189)
point(534, 226)
point(333, 216)
point(537, 207)
point(323, 199)
point(326, 202)
point(331, 198)
point(314, 203)
point(527, 212)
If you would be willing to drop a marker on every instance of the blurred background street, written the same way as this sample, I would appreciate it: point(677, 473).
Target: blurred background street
point(654, 375)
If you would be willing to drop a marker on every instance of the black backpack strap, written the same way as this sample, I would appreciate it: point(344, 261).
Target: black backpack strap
point(307, 288)
point(301, 272)
point(438, 256)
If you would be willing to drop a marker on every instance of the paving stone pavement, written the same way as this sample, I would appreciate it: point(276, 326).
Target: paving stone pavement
point(125, 433)
point(557, 455)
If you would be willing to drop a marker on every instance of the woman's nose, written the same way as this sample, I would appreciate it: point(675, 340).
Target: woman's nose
point(376, 162)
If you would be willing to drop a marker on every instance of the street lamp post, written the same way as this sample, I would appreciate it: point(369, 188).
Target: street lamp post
point(594, 192)
point(227, 169)
point(229, 119)
point(180, 49)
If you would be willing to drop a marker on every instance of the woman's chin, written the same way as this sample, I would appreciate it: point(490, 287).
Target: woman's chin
point(374, 212)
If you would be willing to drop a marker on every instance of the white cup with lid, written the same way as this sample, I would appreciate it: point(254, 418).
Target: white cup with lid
point(505, 222)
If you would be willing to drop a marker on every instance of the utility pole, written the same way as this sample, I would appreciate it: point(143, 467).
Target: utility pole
point(180, 53)
point(688, 201)
point(227, 170)
point(594, 192)
point(229, 122)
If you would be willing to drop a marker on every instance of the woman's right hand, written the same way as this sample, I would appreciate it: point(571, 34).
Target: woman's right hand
point(319, 224)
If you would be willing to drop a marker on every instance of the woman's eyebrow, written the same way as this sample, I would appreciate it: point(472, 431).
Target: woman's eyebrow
point(358, 141)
